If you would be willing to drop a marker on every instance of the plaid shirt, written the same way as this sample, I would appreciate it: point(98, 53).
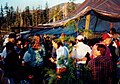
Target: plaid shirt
point(101, 68)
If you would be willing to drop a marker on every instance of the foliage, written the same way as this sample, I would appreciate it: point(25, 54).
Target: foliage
point(70, 23)
point(17, 18)
point(52, 75)
point(66, 39)
point(68, 77)
point(70, 70)
point(86, 33)
point(71, 38)
point(61, 60)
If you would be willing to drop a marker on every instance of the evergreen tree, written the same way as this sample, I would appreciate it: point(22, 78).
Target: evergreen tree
point(1, 12)
point(27, 17)
point(17, 18)
point(1, 16)
point(12, 16)
point(39, 16)
point(7, 16)
point(23, 18)
point(46, 14)
point(52, 15)
point(33, 17)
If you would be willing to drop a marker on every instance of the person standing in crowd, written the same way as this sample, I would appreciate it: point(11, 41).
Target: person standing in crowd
point(81, 51)
point(107, 40)
point(63, 39)
point(48, 49)
point(115, 43)
point(114, 33)
point(80, 55)
point(61, 61)
point(11, 62)
point(101, 66)
point(11, 38)
point(36, 39)
point(33, 59)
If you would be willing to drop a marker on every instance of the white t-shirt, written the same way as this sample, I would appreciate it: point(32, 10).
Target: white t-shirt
point(80, 50)
point(62, 52)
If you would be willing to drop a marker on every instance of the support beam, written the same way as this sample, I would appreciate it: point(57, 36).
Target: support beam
point(87, 24)
point(111, 25)
point(76, 25)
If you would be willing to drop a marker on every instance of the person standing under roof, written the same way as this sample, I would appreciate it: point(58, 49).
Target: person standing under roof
point(80, 50)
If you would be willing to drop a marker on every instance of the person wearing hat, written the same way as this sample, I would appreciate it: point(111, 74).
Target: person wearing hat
point(80, 50)
point(80, 55)
point(106, 39)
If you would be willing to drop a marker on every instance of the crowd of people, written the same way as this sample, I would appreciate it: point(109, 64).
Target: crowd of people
point(25, 59)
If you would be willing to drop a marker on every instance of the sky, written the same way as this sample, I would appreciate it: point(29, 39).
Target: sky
point(23, 3)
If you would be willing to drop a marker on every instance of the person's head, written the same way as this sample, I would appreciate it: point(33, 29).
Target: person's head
point(59, 44)
point(12, 37)
point(54, 43)
point(62, 37)
point(106, 38)
point(9, 47)
point(112, 31)
point(63, 34)
point(79, 38)
point(35, 45)
point(36, 37)
point(19, 43)
point(99, 50)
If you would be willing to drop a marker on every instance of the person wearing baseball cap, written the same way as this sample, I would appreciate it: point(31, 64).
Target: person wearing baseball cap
point(106, 39)
point(80, 50)
point(80, 54)
point(80, 37)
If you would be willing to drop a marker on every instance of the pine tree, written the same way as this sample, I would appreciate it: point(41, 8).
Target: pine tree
point(17, 18)
point(1, 17)
point(7, 14)
point(33, 17)
point(46, 13)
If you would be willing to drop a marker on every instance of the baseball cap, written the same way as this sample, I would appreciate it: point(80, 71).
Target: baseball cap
point(80, 37)
point(107, 35)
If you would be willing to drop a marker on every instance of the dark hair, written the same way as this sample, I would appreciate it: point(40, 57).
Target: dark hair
point(10, 46)
point(60, 44)
point(101, 48)
point(12, 35)
point(37, 35)
point(113, 30)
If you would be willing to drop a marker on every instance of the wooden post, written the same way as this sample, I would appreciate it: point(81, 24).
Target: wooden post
point(77, 22)
point(54, 19)
point(111, 25)
point(87, 24)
